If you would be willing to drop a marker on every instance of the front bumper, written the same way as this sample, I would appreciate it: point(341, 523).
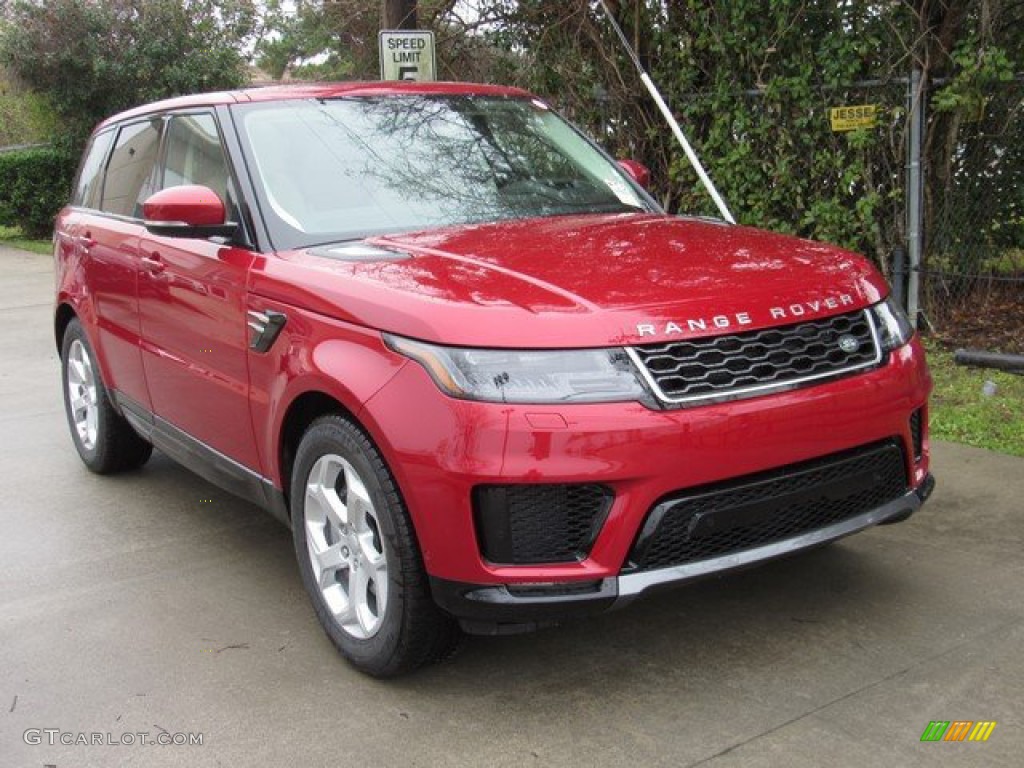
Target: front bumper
point(504, 609)
point(442, 450)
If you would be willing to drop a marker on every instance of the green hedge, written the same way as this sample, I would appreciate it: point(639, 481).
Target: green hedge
point(34, 186)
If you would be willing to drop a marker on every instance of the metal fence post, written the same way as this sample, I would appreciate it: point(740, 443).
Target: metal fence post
point(915, 197)
point(899, 275)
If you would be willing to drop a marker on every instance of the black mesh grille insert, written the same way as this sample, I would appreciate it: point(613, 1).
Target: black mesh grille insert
point(719, 366)
point(771, 506)
point(917, 433)
point(523, 524)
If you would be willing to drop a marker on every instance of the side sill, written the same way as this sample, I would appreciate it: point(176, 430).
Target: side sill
point(209, 463)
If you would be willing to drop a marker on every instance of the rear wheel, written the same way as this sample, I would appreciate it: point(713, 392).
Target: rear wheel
point(105, 441)
point(358, 555)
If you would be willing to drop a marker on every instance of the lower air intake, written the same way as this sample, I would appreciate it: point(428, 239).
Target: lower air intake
point(529, 524)
point(771, 506)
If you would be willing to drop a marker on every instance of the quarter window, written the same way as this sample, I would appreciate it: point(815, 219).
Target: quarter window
point(90, 177)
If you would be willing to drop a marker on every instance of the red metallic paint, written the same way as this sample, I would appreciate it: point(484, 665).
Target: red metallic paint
point(312, 91)
point(101, 287)
point(189, 204)
point(313, 354)
point(582, 281)
point(637, 171)
point(572, 281)
point(194, 341)
point(439, 448)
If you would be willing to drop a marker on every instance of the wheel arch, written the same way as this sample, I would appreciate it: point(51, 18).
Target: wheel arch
point(338, 373)
point(301, 412)
point(414, 632)
point(63, 316)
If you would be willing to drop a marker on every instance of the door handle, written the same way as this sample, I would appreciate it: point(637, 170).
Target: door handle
point(153, 263)
point(86, 241)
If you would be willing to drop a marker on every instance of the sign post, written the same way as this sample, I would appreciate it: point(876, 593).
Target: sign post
point(407, 55)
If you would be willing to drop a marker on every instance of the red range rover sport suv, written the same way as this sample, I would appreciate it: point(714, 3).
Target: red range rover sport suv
point(485, 379)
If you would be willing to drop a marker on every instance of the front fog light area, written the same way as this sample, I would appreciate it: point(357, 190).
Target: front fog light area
point(527, 376)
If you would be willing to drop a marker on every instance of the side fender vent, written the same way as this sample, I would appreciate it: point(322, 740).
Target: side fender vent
point(264, 328)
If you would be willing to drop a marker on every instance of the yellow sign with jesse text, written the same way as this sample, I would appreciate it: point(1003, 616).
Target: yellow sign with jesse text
point(853, 118)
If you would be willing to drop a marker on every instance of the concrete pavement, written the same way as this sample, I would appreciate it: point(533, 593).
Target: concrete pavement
point(153, 602)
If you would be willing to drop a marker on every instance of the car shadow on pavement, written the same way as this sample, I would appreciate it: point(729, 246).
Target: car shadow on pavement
point(792, 614)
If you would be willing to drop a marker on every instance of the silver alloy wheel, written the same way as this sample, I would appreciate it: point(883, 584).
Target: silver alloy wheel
point(345, 546)
point(82, 395)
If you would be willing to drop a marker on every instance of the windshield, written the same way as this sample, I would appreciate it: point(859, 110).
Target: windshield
point(342, 169)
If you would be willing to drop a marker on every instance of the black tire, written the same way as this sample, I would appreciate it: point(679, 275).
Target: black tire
point(412, 630)
point(115, 447)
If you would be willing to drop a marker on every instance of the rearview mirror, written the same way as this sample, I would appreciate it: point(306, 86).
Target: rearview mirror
point(639, 172)
point(187, 211)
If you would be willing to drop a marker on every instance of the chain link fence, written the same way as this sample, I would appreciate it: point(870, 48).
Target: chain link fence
point(971, 276)
point(972, 273)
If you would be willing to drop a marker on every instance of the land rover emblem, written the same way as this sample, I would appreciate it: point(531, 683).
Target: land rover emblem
point(848, 343)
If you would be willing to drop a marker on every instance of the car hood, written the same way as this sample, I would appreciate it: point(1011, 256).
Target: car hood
point(573, 281)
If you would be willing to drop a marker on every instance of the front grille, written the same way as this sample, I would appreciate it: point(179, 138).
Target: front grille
point(771, 506)
point(917, 433)
point(755, 362)
point(524, 524)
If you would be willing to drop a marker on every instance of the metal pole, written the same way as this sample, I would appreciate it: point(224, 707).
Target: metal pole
point(673, 124)
point(899, 275)
point(915, 200)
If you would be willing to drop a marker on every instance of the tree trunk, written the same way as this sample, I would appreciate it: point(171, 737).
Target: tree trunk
point(398, 14)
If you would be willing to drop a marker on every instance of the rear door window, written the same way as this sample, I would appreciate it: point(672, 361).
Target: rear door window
point(129, 179)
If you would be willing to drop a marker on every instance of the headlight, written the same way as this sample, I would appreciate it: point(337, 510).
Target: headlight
point(894, 326)
point(527, 376)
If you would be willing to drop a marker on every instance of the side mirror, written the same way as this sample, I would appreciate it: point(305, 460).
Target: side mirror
point(187, 211)
point(639, 172)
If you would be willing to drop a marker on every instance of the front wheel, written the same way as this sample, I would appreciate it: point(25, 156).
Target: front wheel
point(105, 441)
point(358, 555)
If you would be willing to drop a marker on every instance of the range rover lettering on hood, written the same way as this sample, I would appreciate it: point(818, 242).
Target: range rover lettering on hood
point(739, 319)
